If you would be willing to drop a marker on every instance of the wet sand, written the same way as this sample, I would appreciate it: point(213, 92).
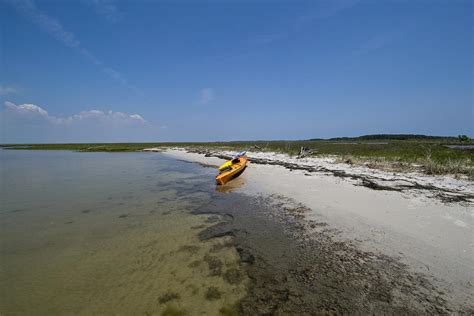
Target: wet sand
point(292, 272)
point(416, 251)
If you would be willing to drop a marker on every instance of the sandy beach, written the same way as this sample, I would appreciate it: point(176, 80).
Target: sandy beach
point(425, 223)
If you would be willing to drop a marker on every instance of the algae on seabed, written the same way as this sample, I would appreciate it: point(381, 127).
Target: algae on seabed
point(111, 234)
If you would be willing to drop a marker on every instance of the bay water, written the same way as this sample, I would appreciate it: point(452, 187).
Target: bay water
point(110, 233)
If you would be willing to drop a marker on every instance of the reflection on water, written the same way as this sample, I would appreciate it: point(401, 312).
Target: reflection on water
point(461, 146)
point(231, 186)
point(359, 143)
point(98, 233)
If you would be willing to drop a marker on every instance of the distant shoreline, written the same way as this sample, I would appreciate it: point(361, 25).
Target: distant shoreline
point(433, 155)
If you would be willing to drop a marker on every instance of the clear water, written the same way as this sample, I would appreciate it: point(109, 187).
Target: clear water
point(109, 233)
point(362, 143)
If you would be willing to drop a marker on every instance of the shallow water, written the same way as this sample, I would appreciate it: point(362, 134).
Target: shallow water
point(110, 233)
point(361, 143)
point(461, 146)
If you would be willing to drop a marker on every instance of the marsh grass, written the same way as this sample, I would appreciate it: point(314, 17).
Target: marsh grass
point(381, 163)
point(449, 166)
point(424, 165)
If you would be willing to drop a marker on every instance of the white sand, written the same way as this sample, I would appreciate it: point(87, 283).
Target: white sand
point(431, 237)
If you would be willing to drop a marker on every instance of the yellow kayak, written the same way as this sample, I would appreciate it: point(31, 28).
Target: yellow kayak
point(236, 167)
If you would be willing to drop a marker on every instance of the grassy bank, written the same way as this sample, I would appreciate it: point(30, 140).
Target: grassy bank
point(430, 155)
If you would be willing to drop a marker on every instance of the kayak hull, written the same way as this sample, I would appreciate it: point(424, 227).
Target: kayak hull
point(233, 171)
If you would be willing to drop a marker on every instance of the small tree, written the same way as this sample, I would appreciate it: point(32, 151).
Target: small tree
point(463, 138)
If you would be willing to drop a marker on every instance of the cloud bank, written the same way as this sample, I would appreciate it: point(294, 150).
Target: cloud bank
point(32, 123)
point(35, 111)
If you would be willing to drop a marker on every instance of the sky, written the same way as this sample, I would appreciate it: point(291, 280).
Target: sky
point(189, 70)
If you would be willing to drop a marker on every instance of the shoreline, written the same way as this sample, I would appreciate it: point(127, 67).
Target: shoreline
point(290, 273)
point(431, 235)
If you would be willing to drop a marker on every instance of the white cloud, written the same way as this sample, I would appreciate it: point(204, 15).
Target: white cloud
point(137, 117)
point(35, 111)
point(6, 90)
point(26, 109)
point(50, 25)
point(206, 95)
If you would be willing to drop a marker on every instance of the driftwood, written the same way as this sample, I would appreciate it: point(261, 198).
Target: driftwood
point(260, 148)
point(304, 151)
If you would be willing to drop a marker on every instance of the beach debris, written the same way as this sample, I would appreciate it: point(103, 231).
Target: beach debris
point(259, 148)
point(153, 149)
point(305, 151)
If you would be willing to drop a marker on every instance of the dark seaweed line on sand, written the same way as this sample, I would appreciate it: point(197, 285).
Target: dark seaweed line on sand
point(295, 272)
point(443, 194)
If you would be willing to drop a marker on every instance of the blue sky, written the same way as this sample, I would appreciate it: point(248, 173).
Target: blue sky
point(105, 70)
